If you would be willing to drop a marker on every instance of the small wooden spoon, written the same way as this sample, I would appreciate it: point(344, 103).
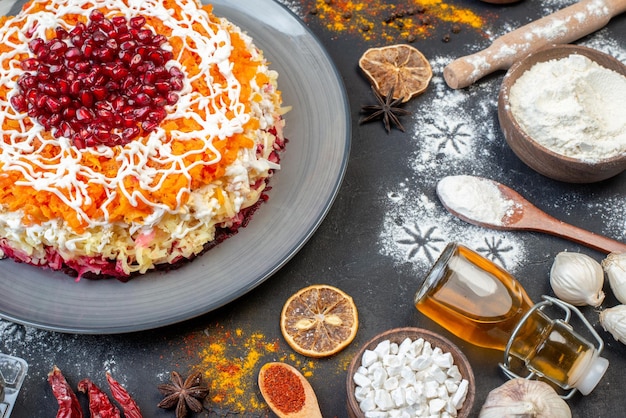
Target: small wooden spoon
point(526, 216)
point(310, 408)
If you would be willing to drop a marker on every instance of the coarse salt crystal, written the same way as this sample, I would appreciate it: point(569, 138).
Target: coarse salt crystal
point(459, 395)
point(436, 405)
point(382, 349)
point(369, 357)
point(361, 380)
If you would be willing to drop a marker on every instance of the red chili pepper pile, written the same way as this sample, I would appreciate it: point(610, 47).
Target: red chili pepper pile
point(99, 403)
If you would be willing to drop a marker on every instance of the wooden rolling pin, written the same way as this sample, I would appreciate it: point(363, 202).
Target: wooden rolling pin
point(561, 27)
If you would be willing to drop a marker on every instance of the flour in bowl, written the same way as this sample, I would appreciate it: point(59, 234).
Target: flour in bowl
point(572, 106)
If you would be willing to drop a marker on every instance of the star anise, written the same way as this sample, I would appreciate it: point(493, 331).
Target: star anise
point(387, 108)
point(183, 395)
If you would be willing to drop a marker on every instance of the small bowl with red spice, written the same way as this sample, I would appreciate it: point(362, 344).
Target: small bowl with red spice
point(562, 111)
point(413, 370)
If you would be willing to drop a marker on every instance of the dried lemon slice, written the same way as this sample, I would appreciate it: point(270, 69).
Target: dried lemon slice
point(319, 321)
point(401, 67)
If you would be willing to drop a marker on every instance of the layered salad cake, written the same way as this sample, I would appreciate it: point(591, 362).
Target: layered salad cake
point(135, 134)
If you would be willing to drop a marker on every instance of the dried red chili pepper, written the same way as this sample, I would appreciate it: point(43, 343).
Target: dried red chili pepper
point(121, 395)
point(99, 403)
point(69, 407)
point(284, 389)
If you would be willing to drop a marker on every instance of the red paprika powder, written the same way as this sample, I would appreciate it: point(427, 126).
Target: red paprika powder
point(284, 389)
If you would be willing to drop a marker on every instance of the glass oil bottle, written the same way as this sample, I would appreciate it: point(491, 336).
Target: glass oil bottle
point(483, 304)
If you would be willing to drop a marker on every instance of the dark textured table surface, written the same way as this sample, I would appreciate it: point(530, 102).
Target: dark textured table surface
point(380, 237)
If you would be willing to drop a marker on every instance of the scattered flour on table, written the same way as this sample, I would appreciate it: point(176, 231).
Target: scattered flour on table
point(454, 134)
point(457, 133)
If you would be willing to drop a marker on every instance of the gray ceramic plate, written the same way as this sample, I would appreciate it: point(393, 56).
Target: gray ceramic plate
point(313, 166)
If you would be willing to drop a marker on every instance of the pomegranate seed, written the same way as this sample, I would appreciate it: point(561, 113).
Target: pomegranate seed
point(135, 61)
point(129, 122)
point(83, 66)
point(137, 22)
point(68, 114)
point(141, 112)
point(65, 129)
point(172, 98)
point(159, 101)
point(149, 126)
point(84, 114)
point(100, 92)
point(49, 89)
point(41, 101)
point(130, 133)
point(35, 45)
point(30, 64)
point(119, 22)
point(56, 69)
point(168, 55)
point(65, 101)
point(176, 72)
point(159, 40)
point(143, 99)
point(86, 98)
point(176, 84)
point(72, 53)
point(96, 16)
point(57, 47)
point(107, 26)
point(149, 90)
point(162, 86)
point(99, 38)
point(156, 115)
point(75, 87)
point(61, 33)
point(53, 104)
point(19, 103)
point(144, 35)
point(104, 114)
point(118, 104)
point(32, 95)
point(54, 120)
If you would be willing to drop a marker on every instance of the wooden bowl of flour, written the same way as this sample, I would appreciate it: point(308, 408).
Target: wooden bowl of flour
point(560, 133)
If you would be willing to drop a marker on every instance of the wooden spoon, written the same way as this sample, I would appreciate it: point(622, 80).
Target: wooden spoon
point(310, 407)
point(561, 27)
point(526, 216)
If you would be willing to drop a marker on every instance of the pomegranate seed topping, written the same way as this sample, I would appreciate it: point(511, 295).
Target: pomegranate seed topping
point(96, 16)
point(19, 103)
point(61, 33)
point(30, 64)
point(100, 83)
point(137, 22)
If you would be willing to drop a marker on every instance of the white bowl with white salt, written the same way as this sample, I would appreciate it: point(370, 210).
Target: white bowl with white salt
point(562, 110)
point(410, 372)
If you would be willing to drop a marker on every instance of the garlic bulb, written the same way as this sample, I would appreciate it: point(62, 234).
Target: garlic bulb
point(524, 398)
point(615, 267)
point(577, 278)
point(613, 320)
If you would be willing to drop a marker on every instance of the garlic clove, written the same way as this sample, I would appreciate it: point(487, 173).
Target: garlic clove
point(615, 267)
point(577, 278)
point(524, 398)
point(613, 320)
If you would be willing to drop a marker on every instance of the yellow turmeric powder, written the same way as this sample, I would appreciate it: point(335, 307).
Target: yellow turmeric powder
point(231, 361)
point(379, 20)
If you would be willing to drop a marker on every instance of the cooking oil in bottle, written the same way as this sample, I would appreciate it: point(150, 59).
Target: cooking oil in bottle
point(483, 304)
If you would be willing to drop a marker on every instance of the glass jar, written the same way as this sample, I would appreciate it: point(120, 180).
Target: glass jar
point(483, 304)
